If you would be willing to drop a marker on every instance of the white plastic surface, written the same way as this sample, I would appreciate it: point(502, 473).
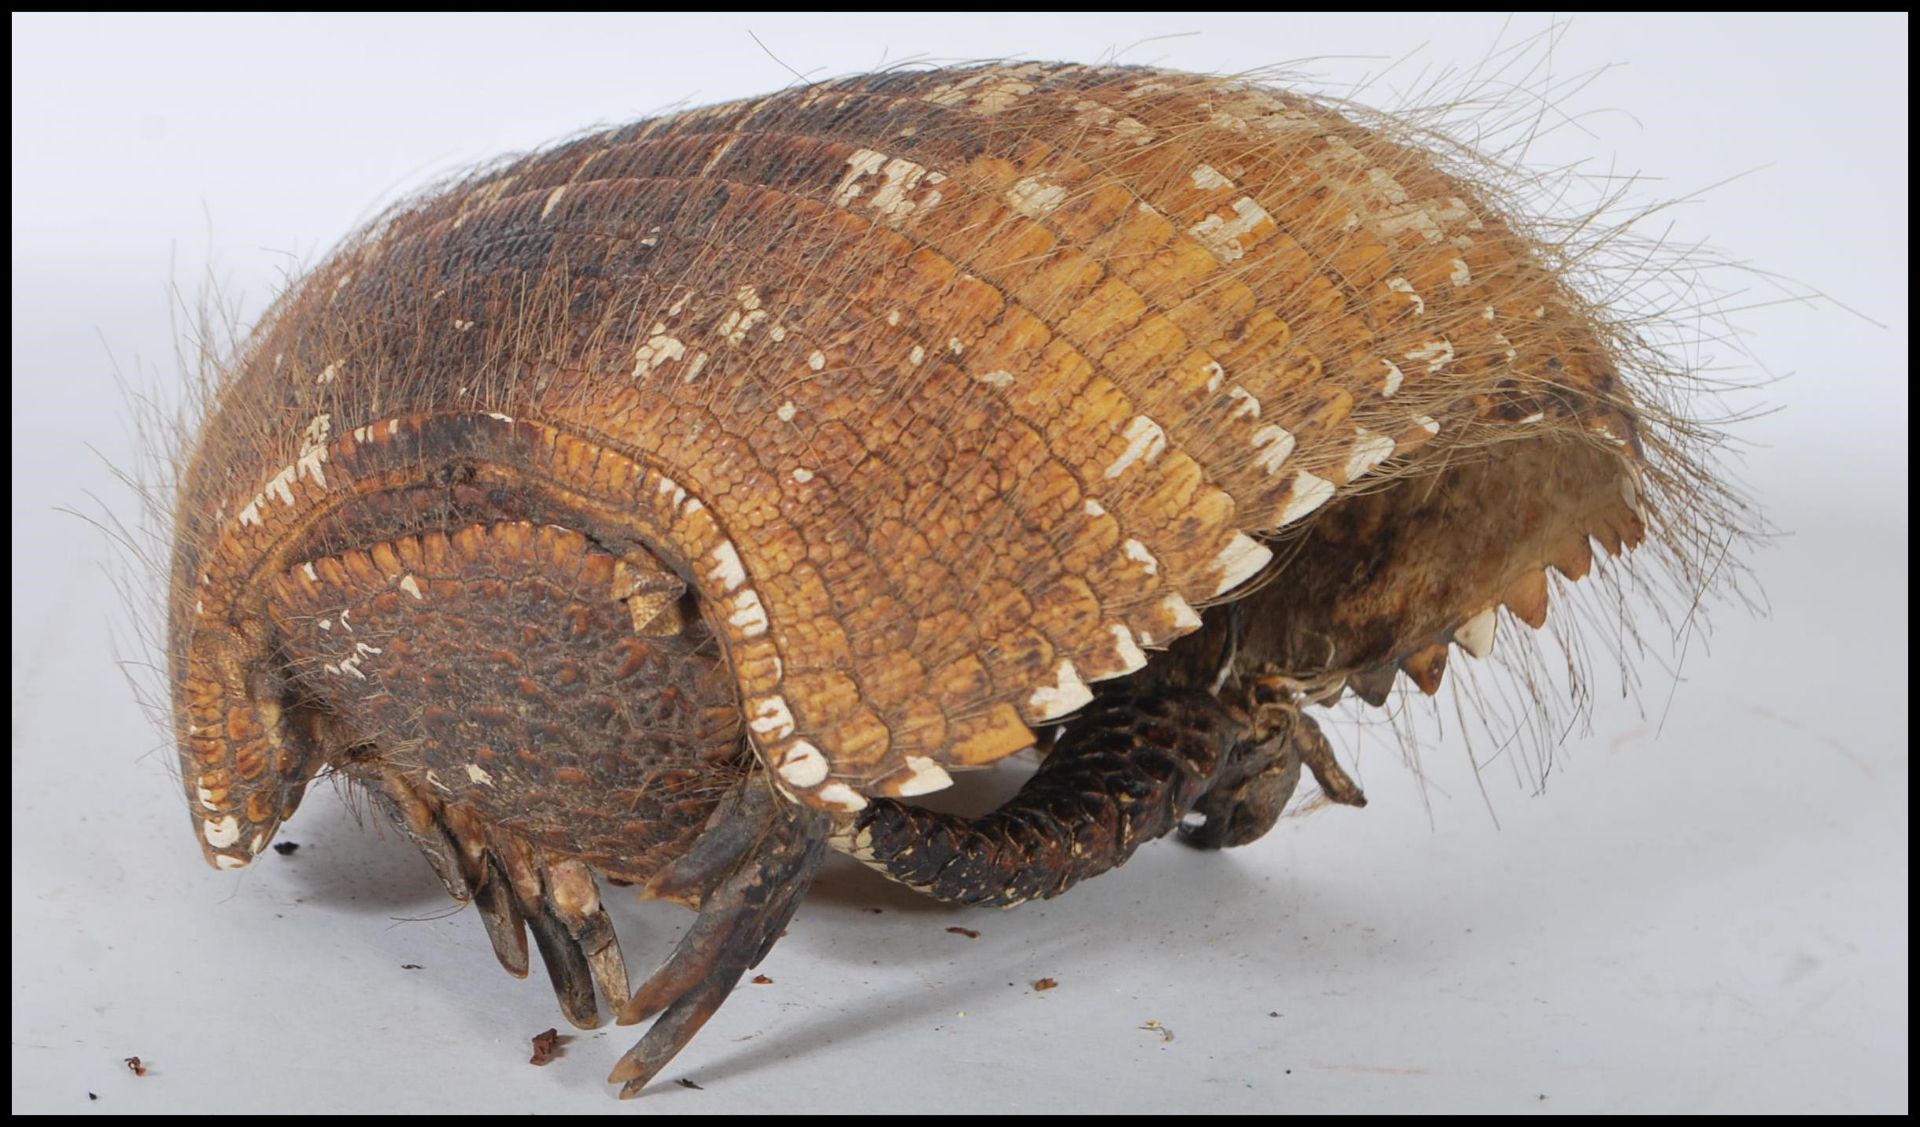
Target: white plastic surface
point(1706, 910)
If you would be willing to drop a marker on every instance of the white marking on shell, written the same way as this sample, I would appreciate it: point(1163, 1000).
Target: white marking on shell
point(748, 617)
point(917, 357)
point(307, 570)
point(1185, 621)
point(1274, 445)
point(1206, 178)
point(1512, 353)
point(802, 475)
point(222, 833)
point(351, 665)
point(1246, 406)
point(329, 373)
point(1630, 493)
point(325, 624)
point(258, 843)
point(817, 361)
point(434, 780)
point(478, 774)
point(802, 765)
point(1428, 423)
point(1369, 450)
point(927, 777)
point(206, 798)
point(281, 485)
point(497, 416)
point(1437, 354)
point(1459, 275)
point(1066, 693)
point(1605, 430)
point(1222, 236)
point(225, 861)
point(1138, 552)
point(694, 367)
point(1145, 441)
point(1308, 493)
point(553, 201)
point(723, 567)
point(735, 326)
point(362, 649)
point(1093, 508)
point(344, 624)
point(1536, 417)
point(893, 317)
point(1131, 656)
point(863, 163)
point(660, 349)
point(1476, 637)
point(1395, 377)
point(997, 379)
point(785, 411)
point(1401, 285)
point(408, 584)
point(1033, 197)
point(1239, 561)
point(772, 719)
point(840, 796)
point(363, 435)
point(956, 346)
point(902, 177)
point(1216, 375)
point(777, 332)
point(393, 427)
point(1428, 221)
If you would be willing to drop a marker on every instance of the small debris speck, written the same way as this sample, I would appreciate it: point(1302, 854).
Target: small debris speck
point(545, 1046)
point(410, 966)
point(91, 1096)
point(966, 931)
point(1165, 1033)
point(1273, 1013)
point(762, 980)
point(285, 848)
point(135, 1066)
point(686, 1083)
point(875, 911)
point(1045, 983)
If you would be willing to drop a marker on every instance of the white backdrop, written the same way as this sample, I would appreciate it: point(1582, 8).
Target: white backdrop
point(1711, 920)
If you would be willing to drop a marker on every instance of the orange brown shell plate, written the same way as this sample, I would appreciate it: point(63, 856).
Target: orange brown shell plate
point(980, 381)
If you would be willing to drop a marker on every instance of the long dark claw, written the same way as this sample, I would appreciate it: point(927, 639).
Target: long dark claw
point(418, 821)
point(505, 928)
point(572, 896)
point(1317, 754)
point(567, 967)
point(740, 918)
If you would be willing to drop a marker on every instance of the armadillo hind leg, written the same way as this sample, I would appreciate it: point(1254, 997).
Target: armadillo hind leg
point(746, 875)
point(1261, 774)
point(1124, 773)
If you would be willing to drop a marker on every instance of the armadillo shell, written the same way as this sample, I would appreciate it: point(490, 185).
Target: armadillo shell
point(949, 392)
